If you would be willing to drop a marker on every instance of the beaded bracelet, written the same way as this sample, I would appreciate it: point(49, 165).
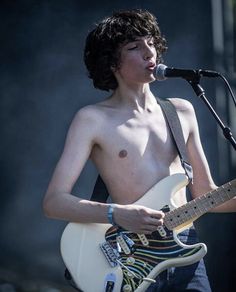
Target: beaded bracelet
point(110, 214)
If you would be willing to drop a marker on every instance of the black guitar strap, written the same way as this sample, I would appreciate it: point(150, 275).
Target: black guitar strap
point(100, 192)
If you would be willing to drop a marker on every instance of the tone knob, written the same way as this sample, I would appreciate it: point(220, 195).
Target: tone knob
point(130, 260)
point(127, 288)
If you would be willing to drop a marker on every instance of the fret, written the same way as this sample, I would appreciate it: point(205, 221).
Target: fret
point(182, 214)
point(199, 206)
point(168, 222)
point(206, 201)
point(177, 220)
point(219, 199)
point(228, 192)
point(194, 209)
point(220, 196)
point(187, 212)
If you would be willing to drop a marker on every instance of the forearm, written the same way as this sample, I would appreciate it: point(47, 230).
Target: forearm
point(68, 207)
point(227, 207)
point(135, 218)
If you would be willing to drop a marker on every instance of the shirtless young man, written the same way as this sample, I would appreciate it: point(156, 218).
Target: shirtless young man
point(126, 135)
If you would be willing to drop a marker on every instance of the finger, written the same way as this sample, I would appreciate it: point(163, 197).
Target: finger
point(156, 221)
point(158, 215)
point(151, 227)
point(147, 230)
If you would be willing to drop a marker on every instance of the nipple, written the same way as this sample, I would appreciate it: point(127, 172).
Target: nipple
point(123, 153)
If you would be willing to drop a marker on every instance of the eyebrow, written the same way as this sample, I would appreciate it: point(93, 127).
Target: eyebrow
point(141, 38)
point(138, 39)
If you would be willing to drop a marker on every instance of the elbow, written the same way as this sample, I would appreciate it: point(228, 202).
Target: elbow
point(47, 206)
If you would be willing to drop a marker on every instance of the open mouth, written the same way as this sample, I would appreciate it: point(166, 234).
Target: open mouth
point(151, 67)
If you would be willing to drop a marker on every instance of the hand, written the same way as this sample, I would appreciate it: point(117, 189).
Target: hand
point(138, 219)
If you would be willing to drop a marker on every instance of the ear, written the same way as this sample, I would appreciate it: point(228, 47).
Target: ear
point(113, 68)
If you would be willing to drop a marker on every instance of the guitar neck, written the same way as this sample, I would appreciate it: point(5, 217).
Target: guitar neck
point(192, 210)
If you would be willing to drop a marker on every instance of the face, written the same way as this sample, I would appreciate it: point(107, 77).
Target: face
point(137, 61)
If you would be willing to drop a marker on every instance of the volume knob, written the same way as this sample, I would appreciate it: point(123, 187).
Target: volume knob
point(127, 288)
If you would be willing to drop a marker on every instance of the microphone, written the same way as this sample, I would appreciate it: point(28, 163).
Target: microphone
point(163, 72)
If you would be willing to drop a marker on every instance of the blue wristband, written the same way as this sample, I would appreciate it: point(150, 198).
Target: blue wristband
point(110, 214)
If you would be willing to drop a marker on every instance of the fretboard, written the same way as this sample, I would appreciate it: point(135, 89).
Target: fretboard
point(194, 209)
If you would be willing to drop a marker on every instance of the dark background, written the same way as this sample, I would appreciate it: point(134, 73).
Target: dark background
point(43, 83)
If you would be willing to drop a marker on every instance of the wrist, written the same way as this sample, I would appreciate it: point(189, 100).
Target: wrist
point(110, 214)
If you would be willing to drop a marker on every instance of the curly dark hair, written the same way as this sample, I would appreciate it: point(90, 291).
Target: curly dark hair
point(102, 48)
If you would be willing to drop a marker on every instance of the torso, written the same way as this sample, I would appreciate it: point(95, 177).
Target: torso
point(134, 151)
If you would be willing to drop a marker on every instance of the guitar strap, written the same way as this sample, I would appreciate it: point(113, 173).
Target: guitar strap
point(173, 122)
point(100, 192)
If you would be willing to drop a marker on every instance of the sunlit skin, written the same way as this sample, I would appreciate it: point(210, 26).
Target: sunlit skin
point(127, 139)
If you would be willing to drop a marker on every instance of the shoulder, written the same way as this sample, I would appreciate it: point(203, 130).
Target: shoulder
point(182, 105)
point(90, 114)
point(89, 120)
point(185, 110)
point(186, 113)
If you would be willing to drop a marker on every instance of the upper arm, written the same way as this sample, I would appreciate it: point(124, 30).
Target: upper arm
point(80, 139)
point(202, 179)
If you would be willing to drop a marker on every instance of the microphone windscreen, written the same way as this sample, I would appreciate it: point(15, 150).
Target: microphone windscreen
point(160, 72)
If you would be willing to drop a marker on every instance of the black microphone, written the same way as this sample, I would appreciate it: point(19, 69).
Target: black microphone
point(163, 72)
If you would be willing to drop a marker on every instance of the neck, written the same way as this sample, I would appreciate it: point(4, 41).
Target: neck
point(139, 99)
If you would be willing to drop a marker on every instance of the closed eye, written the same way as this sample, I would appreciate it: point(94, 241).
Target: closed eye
point(132, 48)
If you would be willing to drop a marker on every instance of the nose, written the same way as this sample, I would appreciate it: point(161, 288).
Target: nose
point(148, 52)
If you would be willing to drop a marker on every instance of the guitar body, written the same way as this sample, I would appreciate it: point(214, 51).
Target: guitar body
point(138, 258)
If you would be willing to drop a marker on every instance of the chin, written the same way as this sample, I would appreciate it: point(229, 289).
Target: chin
point(151, 79)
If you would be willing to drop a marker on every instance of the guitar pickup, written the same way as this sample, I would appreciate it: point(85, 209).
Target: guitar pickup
point(125, 243)
point(143, 239)
point(161, 231)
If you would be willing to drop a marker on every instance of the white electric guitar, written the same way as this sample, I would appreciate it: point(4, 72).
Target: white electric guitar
point(104, 258)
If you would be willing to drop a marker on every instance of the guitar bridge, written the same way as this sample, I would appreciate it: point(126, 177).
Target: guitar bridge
point(110, 253)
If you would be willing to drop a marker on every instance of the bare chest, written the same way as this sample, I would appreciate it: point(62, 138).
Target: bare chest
point(141, 140)
point(133, 155)
point(137, 142)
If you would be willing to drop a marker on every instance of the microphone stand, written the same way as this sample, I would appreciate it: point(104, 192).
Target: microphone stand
point(194, 82)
